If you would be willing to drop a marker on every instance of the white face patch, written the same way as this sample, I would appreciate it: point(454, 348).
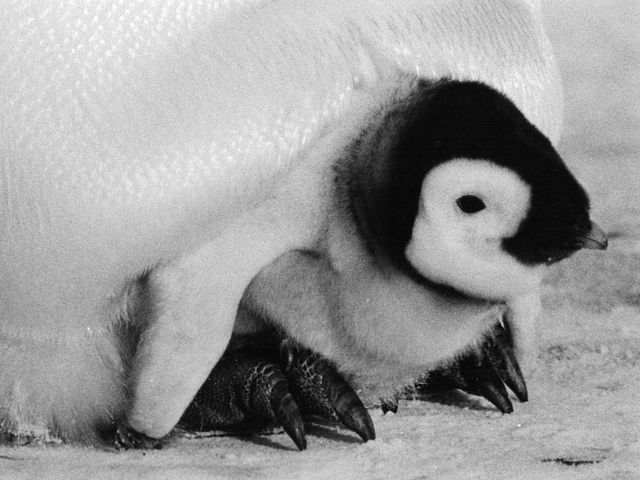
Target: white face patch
point(467, 207)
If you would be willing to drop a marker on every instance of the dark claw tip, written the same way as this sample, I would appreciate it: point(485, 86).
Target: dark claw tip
point(348, 406)
point(126, 438)
point(297, 434)
point(507, 409)
point(499, 352)
point(389, 406)
point(295, 429)
point(288, 415)
point(359, 421)
point(498, 396)
point(521, 392)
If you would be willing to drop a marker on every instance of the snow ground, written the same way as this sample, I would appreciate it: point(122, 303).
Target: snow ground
point(583, 419)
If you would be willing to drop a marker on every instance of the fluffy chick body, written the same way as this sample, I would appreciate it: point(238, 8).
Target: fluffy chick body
point(428, 237)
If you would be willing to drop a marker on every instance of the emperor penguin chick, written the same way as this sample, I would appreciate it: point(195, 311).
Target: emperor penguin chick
point(440, 220)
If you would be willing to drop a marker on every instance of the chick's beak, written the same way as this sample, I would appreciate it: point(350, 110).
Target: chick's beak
point(594, 239)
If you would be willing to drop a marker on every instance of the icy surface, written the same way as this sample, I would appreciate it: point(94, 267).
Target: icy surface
point(583, 418)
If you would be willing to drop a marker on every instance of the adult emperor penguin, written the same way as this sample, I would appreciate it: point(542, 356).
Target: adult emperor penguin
point(155, 157)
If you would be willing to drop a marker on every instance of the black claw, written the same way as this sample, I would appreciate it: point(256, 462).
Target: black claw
point(348, 405)
point(126, 438)
point(497, 395)
point(483, 371)
point(389, 405)
point(489, 385)
point(288, 415)
point(499, 348)
point(483, 379)
point(359, 421)
point(322, 391)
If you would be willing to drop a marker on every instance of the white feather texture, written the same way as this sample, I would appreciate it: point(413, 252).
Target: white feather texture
point(176, 136)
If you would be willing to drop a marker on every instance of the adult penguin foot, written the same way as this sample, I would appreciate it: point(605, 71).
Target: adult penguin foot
point(321, 391)
point(259, 383)
point(485, 370)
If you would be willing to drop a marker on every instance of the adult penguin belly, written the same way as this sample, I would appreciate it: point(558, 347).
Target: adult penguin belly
point(184, 145)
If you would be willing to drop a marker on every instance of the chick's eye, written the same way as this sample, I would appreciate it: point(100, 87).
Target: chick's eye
point(470, 204)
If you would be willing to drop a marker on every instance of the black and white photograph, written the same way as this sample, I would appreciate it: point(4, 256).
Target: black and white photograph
point(320, 239)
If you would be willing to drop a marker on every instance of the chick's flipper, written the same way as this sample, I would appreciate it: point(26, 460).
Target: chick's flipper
point(485, 370)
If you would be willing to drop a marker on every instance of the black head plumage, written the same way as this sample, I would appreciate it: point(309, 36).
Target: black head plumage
point(454, 119)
